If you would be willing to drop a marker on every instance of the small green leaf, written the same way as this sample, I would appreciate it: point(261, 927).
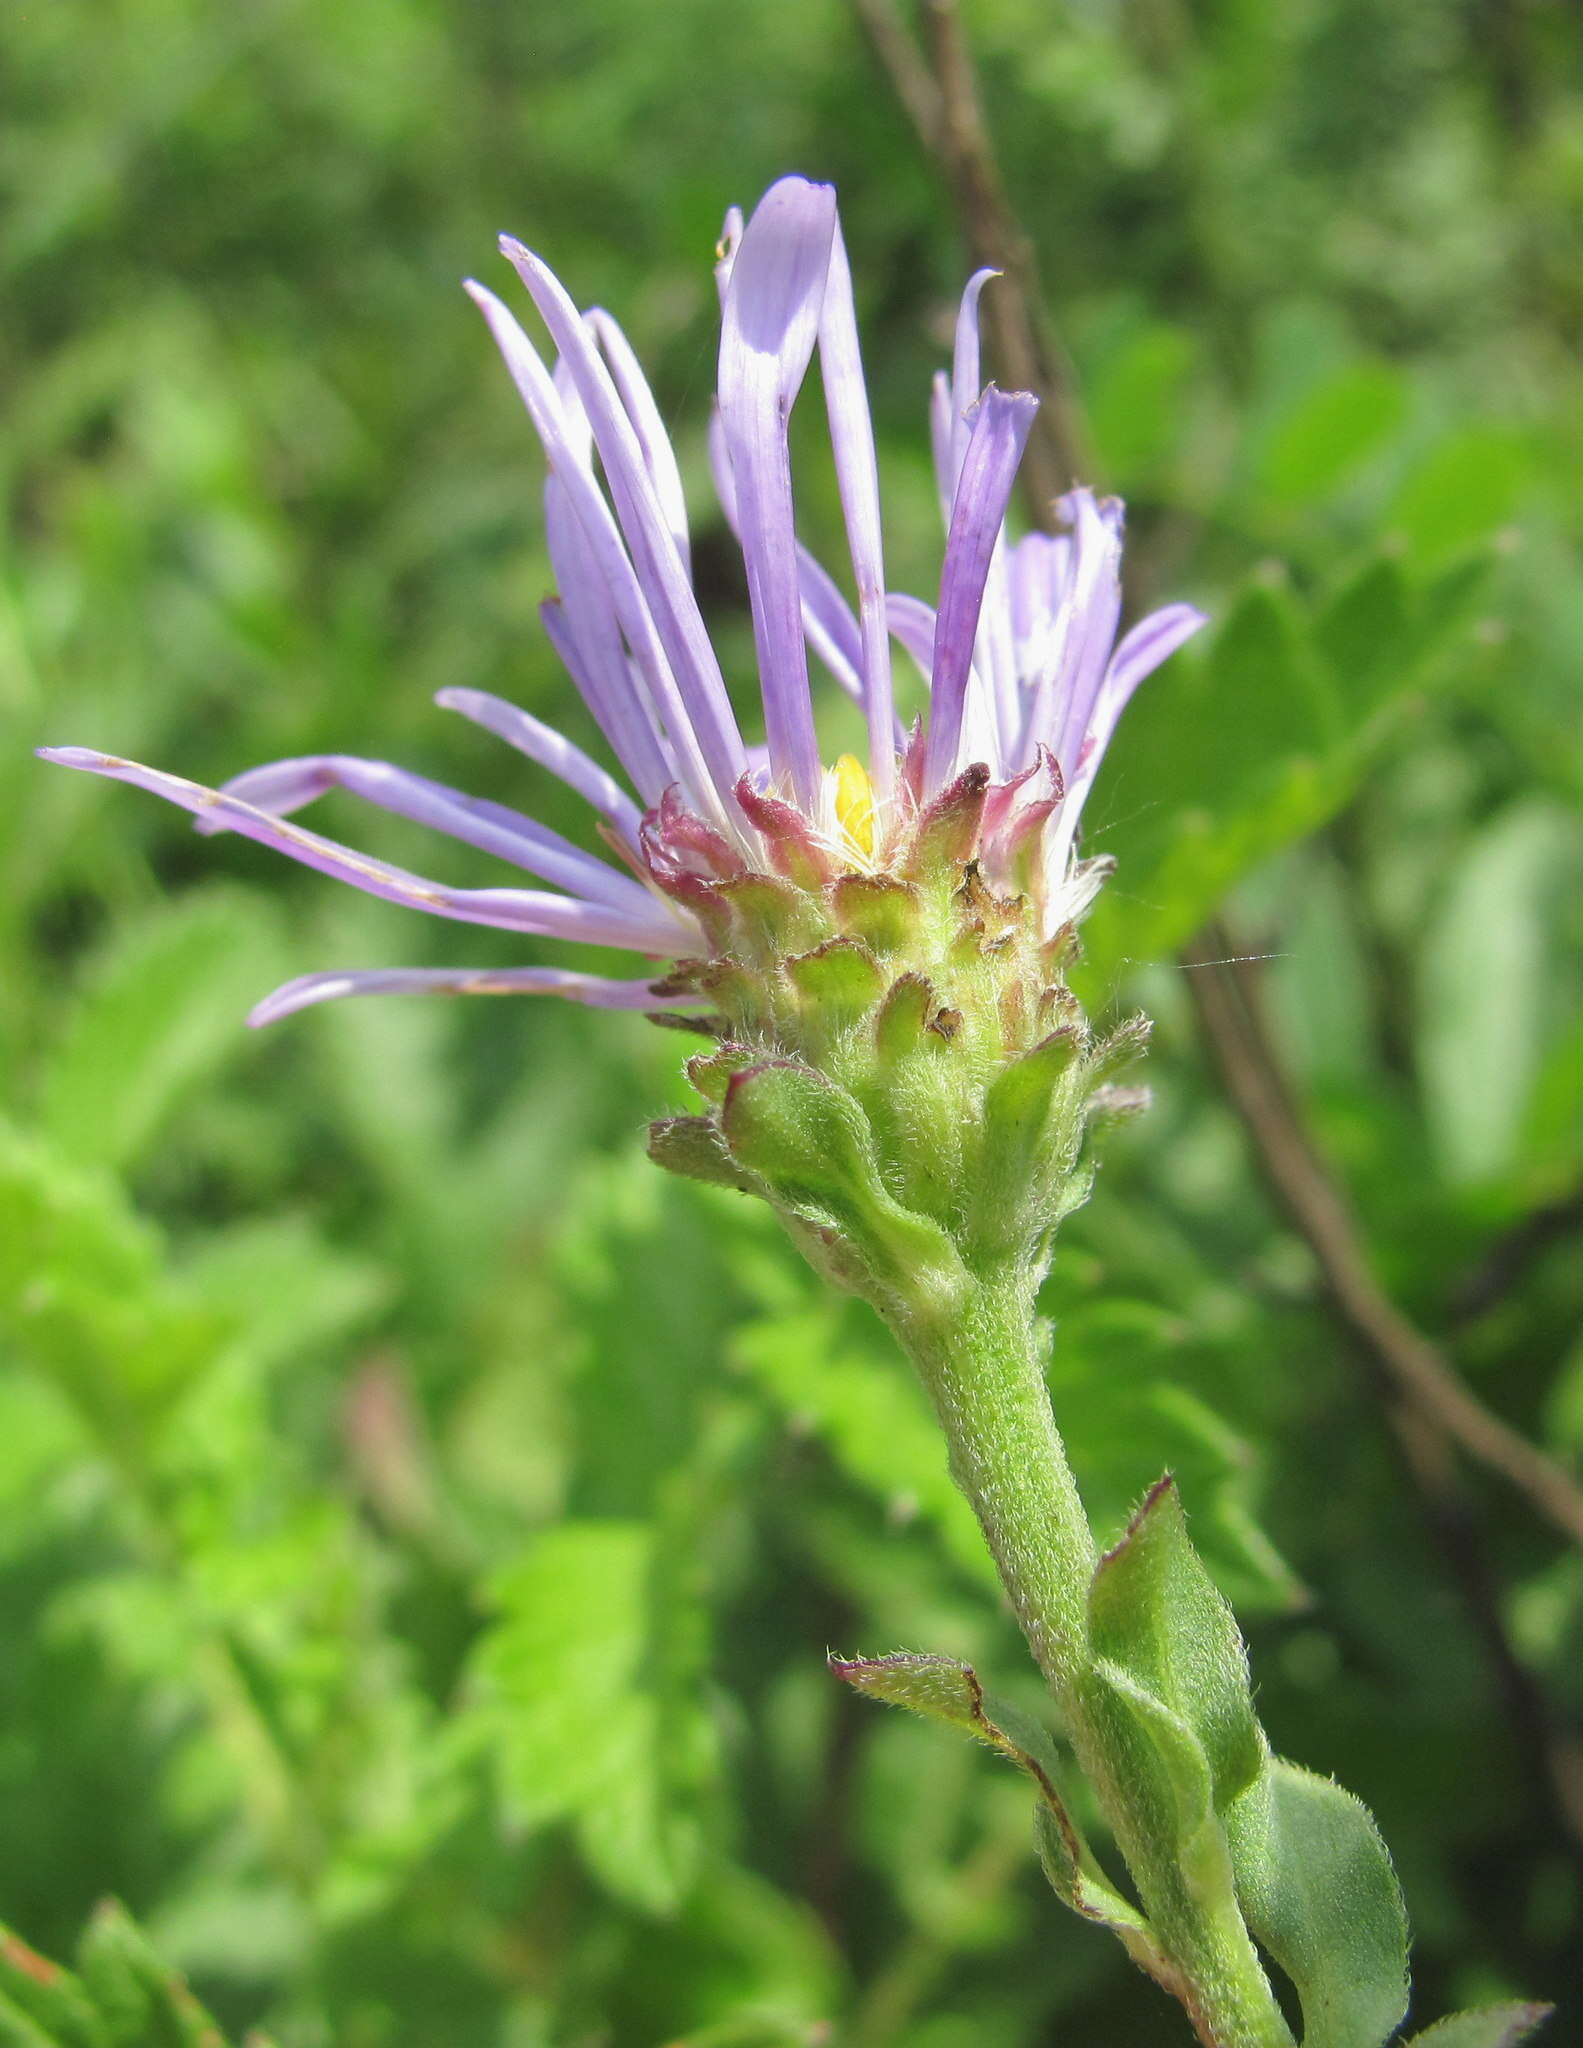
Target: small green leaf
point(877, 909)
point(1032, 1129)
point(1271, 702)
point(1154, 1752)
point(811, 1144)
point(85, 1295)
point(902, 1024)
point(941, 1689)
point(168, 1005)
point(123, 1995)
point(693, 1147)
point(1492, 2026)
point(1155, 1612)
point(710, 1072)
point(1317, 1889)
point(1019, 1102)
point(803, 1135)
point(285, 1286)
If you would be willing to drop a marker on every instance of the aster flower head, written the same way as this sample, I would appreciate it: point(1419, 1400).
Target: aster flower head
point(805, 910)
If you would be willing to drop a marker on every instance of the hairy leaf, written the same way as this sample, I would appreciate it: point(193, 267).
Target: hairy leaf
point(1317, 1889)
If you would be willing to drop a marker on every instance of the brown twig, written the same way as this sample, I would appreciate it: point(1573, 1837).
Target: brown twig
point(942, 100)
point(1226, 999)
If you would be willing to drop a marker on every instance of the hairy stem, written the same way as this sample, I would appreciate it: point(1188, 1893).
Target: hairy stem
point(981, 1359)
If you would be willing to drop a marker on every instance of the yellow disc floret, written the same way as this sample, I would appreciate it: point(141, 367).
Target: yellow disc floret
point(854, 805)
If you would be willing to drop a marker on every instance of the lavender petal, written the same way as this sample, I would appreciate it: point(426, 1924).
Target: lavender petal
point(542, 743)
point(912, 622)
point(857, 477)
point(1146, 647)
point(659, 930)
point(285, 786)
point(768, 330)
point(538, 393)
point(1095, 599)
point(658, 454)
point(829, 628)
point(967, 378)
point(660, 570)
point(593, 989)
point(586, 634)
point(997, 437)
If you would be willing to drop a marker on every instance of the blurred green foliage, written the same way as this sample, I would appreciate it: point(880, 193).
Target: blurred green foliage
point(370, 1406)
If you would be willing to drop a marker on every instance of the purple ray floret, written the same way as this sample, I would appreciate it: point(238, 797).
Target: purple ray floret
point(1023, 681)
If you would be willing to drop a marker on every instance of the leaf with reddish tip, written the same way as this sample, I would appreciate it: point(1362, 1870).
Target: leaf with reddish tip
point(795, 849)
point(942, 1689)
point(141, 1998)
point(946, 834)
point(693, 1147)
point(1155, 1612)
point(711, 1072)
point(42, 2005)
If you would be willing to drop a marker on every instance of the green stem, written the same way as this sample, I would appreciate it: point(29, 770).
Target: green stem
point(981, 1358)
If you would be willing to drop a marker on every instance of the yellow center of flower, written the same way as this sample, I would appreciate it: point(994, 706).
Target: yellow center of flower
point(854, 804)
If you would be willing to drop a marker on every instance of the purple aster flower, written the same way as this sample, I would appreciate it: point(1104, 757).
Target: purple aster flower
point(1023, 678)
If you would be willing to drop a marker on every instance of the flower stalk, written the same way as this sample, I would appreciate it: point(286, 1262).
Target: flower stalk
point(983, 1366)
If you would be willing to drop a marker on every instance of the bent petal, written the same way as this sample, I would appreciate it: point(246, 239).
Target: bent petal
point(593, 989)
point(913, 623)
point(552, 750)
point(658, 930)
point(962, 390)
point(285, 786)
point(1147, 647)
